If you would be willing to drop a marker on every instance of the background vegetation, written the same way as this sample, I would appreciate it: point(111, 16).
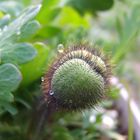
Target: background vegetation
point(29, 40)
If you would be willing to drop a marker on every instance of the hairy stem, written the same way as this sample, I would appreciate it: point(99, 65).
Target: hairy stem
point(39, 119)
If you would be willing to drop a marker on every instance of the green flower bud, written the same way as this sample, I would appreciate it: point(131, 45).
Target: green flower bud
point(78, 79)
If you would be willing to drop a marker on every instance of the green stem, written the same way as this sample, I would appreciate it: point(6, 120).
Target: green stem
point(130, 120)
point(39, 120)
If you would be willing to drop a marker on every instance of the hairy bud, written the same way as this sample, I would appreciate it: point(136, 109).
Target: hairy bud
point(78, 79)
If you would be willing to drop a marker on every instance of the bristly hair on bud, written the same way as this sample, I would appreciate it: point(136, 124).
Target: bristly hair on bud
point(78, 79)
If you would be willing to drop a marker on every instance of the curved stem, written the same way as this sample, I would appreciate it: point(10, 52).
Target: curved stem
point(40, 126)
point(40, 116)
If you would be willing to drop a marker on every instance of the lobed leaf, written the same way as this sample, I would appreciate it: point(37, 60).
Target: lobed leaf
point(33, 70)
point(10, 49)
point(19, 53)
point(10, 77)
point(10, 7)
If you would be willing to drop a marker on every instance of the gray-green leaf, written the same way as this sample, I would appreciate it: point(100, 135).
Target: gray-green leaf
point(10, 77)
point(10, 49)
point(18, 53)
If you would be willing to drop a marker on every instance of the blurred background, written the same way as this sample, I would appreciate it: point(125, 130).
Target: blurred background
point(31, 36)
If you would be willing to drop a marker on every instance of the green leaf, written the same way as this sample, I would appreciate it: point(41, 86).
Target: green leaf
point(6, 96)
point(71, 18)
point(128, 35)
point(8, 107)
point(50, 10)
point(61, 133)
point(10, 77)
point(28, 30)
point(16, 31)
point(26, 2)
point(12, 31)
point(5, 20)
point(18, 53)
point(49, 31)
point(13, 51)
point(91, 6)
point(12, 7)
point(33, 70)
